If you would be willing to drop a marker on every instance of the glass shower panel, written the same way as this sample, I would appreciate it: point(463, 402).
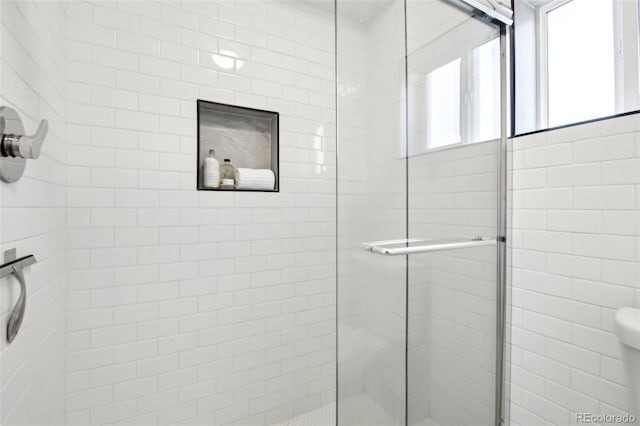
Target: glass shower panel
point(453, 196)
point(371, 206)
point(419, 140)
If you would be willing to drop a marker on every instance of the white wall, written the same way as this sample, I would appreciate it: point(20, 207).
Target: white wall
point(185, 306)
point(576, 259)
point(32, 69)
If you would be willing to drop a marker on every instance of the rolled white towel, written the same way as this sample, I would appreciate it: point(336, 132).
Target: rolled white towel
point(262, 179)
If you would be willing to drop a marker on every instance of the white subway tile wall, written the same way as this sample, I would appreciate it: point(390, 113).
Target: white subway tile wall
point(576, 259)
point(33, 54)
point(191, 307)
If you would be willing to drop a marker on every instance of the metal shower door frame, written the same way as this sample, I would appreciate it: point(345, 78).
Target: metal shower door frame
point(503, 19)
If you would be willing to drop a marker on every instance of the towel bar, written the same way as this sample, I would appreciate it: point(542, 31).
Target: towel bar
point(412, 246)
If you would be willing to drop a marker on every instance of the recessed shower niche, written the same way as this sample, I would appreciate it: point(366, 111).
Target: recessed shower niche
point(247, 137)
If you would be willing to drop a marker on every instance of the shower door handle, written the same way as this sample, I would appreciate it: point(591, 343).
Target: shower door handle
point(413, 246)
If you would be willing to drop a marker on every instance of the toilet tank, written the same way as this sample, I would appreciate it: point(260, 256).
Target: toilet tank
point(627, 324)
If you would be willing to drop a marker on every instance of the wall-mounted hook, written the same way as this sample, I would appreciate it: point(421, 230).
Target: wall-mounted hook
point(15, 267)
point(15, 146)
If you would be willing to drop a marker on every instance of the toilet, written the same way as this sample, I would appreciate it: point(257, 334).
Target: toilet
point(627, 326)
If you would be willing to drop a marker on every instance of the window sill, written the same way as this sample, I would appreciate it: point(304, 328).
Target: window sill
point(579, 123)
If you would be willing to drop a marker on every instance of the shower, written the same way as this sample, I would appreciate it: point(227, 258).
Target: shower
point(319, 212)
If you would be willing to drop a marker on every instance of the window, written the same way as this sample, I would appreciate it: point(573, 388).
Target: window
point(453, 93)
point(580, 72)
point(576, 60)
point(463, 98)
point(443, 105)
point(485, 123)
point(445, 99)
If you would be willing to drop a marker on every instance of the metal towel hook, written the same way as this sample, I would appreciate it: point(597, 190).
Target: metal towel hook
point(15, 146)
point(15, 267)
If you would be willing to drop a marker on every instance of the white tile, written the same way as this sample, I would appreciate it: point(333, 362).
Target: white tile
point(92, 34)
point(135, 313)
point(608, 148)
point(134, 81)
point(547, 156)
point(132, 120)
point(113, 374)
point(595, 340)
point(135, 388)
point(138, 44)
point(604, 246)
point(601, 220)
point(134, 351)
point(601, 294)
point(621, 222)
point(621, 171)
point(596, 387)
point(574, 221)
point(587, 174)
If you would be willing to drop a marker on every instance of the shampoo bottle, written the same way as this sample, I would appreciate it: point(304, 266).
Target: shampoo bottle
point(211, 171)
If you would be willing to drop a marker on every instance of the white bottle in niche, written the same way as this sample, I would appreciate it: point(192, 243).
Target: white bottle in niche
point(211, 171)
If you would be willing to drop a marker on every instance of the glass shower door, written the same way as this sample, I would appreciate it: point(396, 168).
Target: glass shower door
point(372, 205)
point(454, 141)
point(420, 194)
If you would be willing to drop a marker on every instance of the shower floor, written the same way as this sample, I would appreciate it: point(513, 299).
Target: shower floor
point(368, 414)
point(323, 416)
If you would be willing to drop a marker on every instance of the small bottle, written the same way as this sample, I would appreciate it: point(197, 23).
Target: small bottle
point(227, 174)
point(211, 171)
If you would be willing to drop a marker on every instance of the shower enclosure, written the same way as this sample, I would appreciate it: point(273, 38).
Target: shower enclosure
point(421, 112)
point(147, 301)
